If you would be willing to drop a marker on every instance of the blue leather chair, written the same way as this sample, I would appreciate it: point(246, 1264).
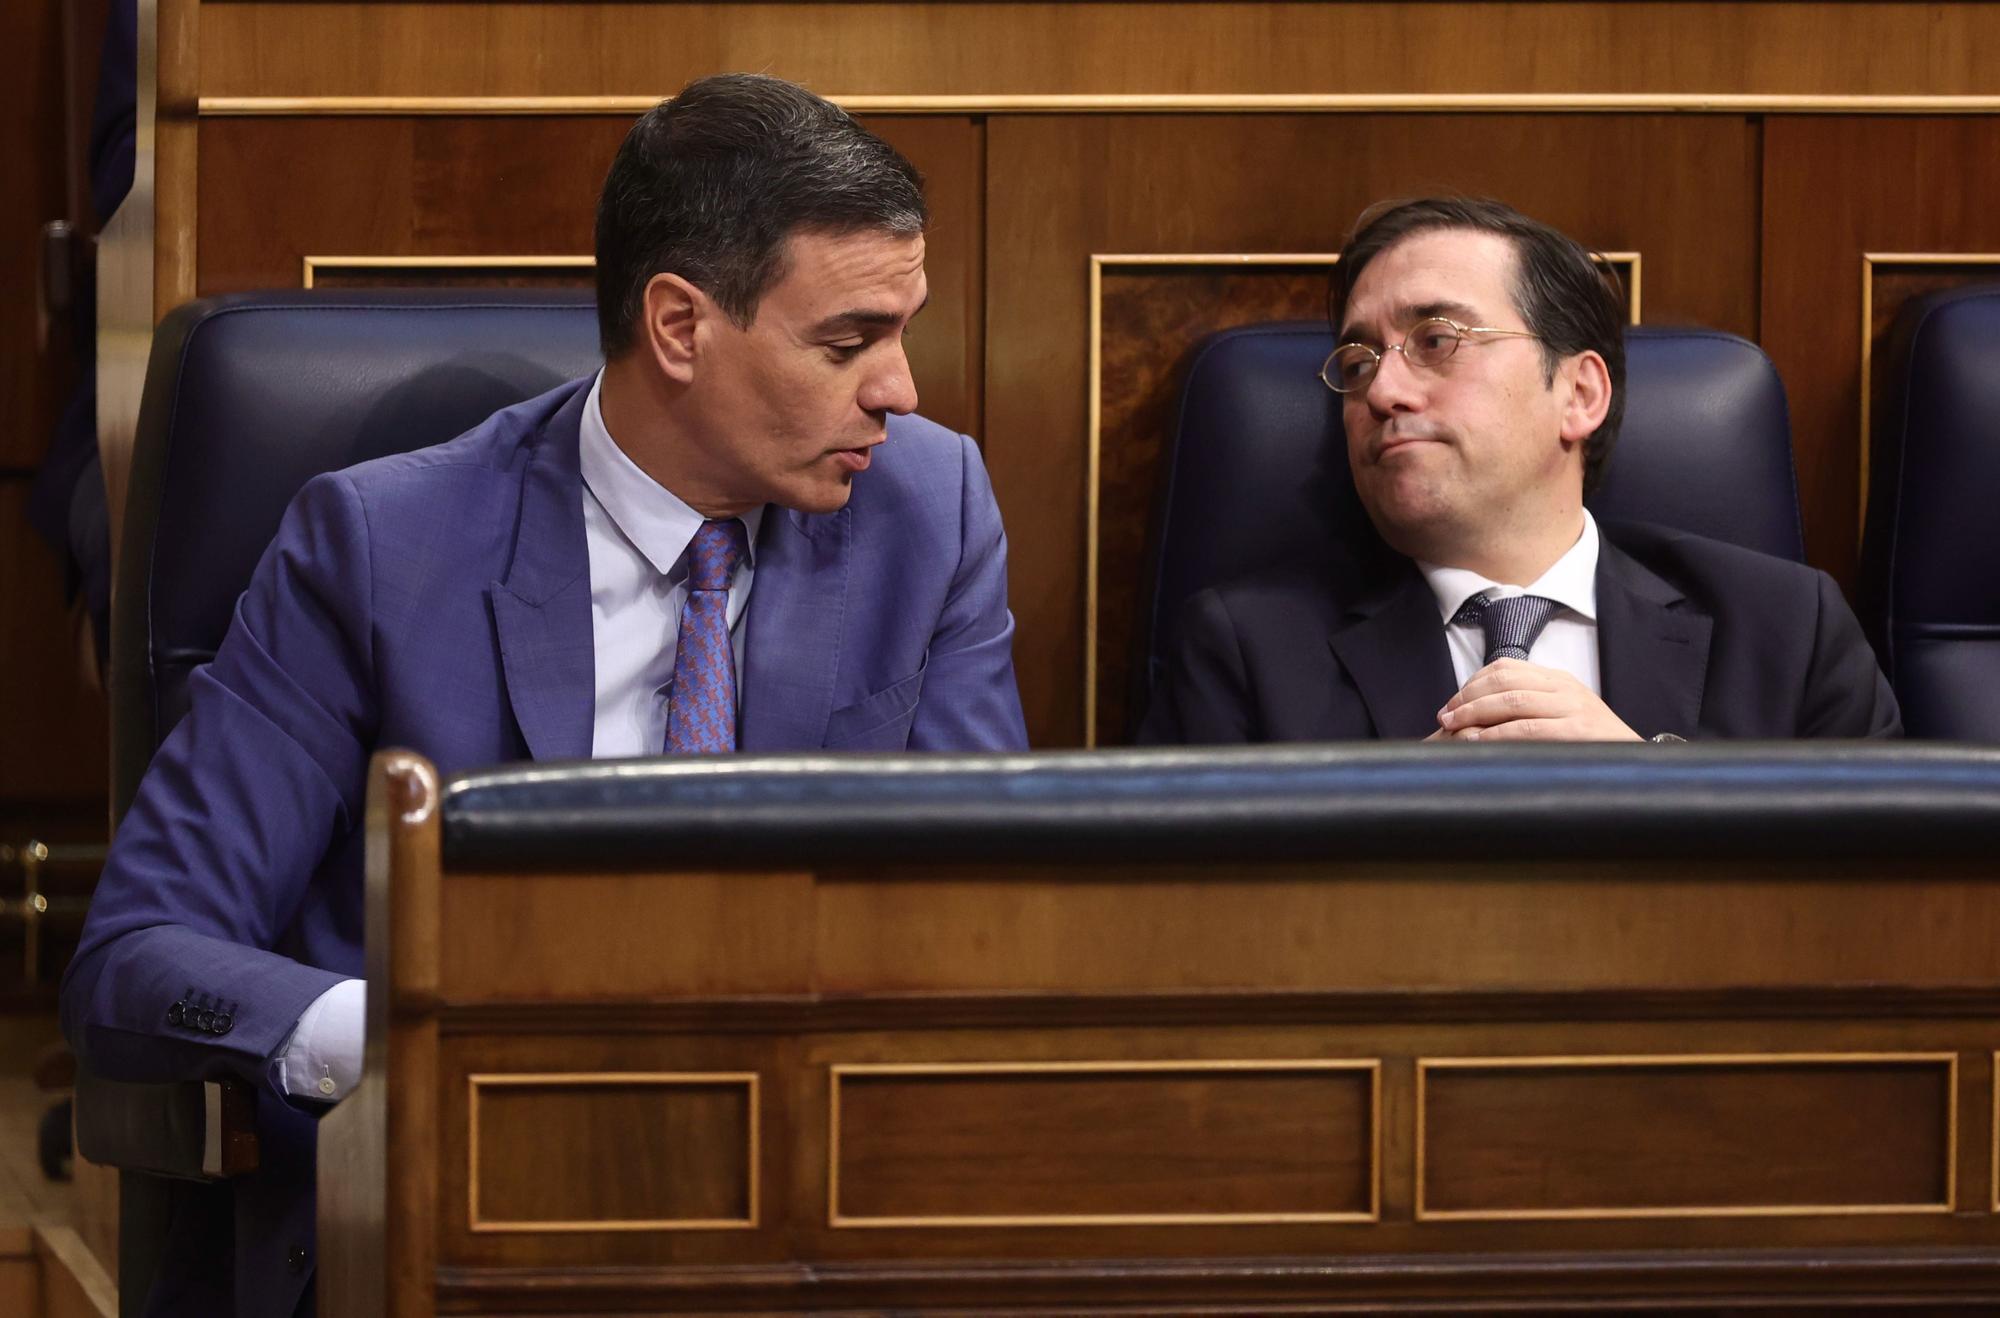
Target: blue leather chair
point(1256, 471)
point(248, 397)
point(1930, 557)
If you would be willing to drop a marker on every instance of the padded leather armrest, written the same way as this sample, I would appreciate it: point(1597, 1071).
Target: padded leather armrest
point(195, 1130)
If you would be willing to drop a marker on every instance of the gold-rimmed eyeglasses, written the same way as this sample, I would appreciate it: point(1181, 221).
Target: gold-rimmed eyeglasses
point(1430, 343)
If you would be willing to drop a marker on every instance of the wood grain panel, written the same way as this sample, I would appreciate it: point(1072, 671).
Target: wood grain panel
point(1062, 188)
point(1076, 1144)
point(54, 743)
point(279, 47)
point(35, 371)
point(1833, 191)
point(624, 937)
point(1368, 927)
point(1596, 1137)
point(1150, 318)
point(451, 187)
point(613, 1152)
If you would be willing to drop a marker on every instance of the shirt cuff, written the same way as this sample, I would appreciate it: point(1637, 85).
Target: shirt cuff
point(321, 1062)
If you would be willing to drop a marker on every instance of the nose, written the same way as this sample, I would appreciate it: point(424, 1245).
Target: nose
point(1394, 387)
point(891, 387)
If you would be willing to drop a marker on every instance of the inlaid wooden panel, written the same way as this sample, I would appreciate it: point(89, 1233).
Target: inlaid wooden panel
point(515, 187)
point(1149, 319)
point(1063, 188)
point(278, 47)
point(1834, 191)
point(1704, 1136)
point(1102, 1143)
point(658, 1145)
point(613, 1151)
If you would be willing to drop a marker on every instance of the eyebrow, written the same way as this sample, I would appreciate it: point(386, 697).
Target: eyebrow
point(1412, 313)
point(865, 318)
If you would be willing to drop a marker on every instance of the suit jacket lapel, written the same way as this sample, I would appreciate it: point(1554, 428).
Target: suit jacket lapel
point(541, 609)
point(1392, 645)
point(1652, 647)
point(798, 599)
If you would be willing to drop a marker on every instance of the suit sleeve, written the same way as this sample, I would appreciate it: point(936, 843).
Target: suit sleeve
point(1846, 694)
point(234, 817)
point(970, 701)
point(1204, 697)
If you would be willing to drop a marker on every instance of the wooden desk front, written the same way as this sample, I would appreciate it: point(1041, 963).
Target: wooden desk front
point(1065, 1087)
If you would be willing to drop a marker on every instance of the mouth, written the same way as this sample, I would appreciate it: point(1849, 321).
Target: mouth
point(1397, 440)
point(854, 459)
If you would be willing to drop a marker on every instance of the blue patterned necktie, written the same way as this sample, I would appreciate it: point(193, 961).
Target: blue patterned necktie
point(1511, 625)
point(702, 716)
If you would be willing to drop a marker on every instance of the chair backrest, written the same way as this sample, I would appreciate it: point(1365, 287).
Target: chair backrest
point(1256, 471)
point(1930, 559)
point(248, 397)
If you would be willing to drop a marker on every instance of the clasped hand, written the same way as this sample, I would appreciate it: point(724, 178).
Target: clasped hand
point(1512, 700)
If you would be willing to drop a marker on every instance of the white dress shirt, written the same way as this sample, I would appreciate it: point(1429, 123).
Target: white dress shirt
point(1568, 642)
point(637, 532)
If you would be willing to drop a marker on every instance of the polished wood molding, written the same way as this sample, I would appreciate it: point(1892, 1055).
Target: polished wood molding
point(835, 1012)
point(1863, 1281)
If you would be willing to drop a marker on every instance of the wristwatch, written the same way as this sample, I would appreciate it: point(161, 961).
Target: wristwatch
point(1666, 738)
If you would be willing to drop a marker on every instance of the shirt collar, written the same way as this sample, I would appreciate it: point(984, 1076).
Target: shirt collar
point(657, 521)
point(1571, 580)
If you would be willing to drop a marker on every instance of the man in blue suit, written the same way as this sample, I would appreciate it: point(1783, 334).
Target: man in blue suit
point(735, 536)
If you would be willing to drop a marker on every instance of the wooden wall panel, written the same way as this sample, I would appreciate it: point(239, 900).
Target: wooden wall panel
point(1679, 191)
point(1150, 317)
point(53, 740)
point(277, 190)
point(279, 47)
point(1834, 191)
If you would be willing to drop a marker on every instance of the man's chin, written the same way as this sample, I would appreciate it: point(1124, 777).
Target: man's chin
point(822, 497)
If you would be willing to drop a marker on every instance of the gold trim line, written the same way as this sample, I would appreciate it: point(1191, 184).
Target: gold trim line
point(214, 107)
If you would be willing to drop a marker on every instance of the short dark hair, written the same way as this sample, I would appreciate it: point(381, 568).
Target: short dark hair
point(710, 184)
point(1568, 300)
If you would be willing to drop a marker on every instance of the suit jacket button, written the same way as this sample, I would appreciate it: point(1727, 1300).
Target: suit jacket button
point(295, 1261)
point(175, 1012)
point(223, 1020)
point(203, 1019)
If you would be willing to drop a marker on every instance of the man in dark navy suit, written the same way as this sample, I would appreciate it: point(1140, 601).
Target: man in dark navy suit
point(1481, 367)
point(737, 535)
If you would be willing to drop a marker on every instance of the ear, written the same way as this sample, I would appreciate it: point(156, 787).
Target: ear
point(1589, 397)
point(673, 325)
